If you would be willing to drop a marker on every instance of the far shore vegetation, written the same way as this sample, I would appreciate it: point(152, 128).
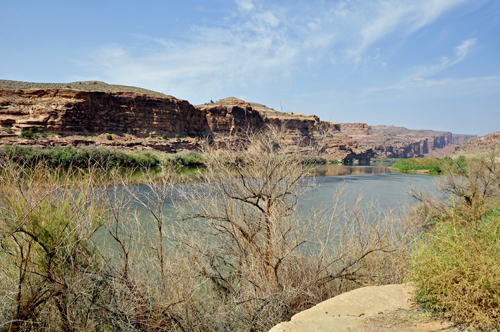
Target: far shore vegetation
point(427, 165)
point(88, 156)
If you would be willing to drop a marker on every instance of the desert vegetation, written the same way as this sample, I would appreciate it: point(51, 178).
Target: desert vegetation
point(455, 265)
point(82, 157)
point(232, 252)
point(81, 249)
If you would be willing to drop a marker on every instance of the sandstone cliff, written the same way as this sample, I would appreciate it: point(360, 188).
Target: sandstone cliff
point(477, 147)
point(69, 111)
point(232, 116)
point(77, 112)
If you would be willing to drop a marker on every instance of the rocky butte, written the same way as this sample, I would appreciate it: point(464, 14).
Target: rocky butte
point(135, 115)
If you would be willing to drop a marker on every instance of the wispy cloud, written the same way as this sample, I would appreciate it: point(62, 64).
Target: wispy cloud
point(460, 54)
point(383, 18)
point(243, 53)
point(418, 77)
point(245, 5)
point(260, 42)
point(441, 89)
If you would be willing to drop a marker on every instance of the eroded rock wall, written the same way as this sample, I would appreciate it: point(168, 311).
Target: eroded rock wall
point(229, 119)
point(67, 111)
point(82, 112)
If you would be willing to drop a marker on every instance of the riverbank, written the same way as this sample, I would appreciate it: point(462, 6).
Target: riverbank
point(237, 250)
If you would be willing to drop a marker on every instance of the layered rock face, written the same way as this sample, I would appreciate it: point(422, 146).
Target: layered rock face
point(68, 112)
point(231, 118)
point(457, 138)
point(400, 142)
point(83, 112)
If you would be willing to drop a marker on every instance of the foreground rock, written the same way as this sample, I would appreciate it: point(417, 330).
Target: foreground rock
point(369, 309)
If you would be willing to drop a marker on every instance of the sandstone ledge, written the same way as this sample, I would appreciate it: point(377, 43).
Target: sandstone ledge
point(369, 309)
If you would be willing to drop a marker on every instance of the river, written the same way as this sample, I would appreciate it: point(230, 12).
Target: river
point(374, 184)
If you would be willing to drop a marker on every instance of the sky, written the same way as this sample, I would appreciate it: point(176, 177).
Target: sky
point(421, 64)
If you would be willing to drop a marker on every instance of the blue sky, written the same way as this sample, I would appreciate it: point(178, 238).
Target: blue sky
point(422, 64)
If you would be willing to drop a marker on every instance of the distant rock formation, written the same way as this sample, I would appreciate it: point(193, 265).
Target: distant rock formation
point(482, 146)
point(79, 112)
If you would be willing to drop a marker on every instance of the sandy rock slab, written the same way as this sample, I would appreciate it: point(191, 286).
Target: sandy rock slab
point(367, 309)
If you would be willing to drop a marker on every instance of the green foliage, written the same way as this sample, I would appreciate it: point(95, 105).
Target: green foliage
point(190, 159)
point(459, 165)
point(456, 269)
point(8, 130)
point(315, 160)
point(77, 157)
point(151, 135)
point(433, 165)
point(178, 137)
point(456, 266)
point(47, 259)
point(165, 137)
point(109, 137)
point(27, 133)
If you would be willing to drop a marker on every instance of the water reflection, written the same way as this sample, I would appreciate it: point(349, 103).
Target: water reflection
point(344, 170)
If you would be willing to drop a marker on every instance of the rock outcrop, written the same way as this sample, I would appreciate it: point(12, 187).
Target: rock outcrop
point(78, 112)
point(458, 138)
point(69, 111)
point(232, 117)
point(370, 309)
point(400, 142)
point(477, 147)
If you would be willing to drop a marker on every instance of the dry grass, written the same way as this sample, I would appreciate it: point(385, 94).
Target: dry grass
point(231, 253)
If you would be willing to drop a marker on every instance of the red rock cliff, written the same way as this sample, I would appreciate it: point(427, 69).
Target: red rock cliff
point(68, 111)
point(76, 112)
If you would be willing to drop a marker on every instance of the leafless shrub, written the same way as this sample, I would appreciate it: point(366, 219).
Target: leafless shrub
point(234, 251)
point(259, 257)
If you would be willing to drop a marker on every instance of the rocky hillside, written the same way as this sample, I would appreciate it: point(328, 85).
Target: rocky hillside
point(80, 85)
point(142, 114)
point(480, 146)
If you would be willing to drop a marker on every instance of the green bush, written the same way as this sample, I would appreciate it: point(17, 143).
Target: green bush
point(109, 137)
point(178, 137)
point(456, 270)
point(433, 165)
point(8, 130)
point(190, 159)
point(77, 157)
point(27, 133)
point(151, 135)
point(165, 137)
